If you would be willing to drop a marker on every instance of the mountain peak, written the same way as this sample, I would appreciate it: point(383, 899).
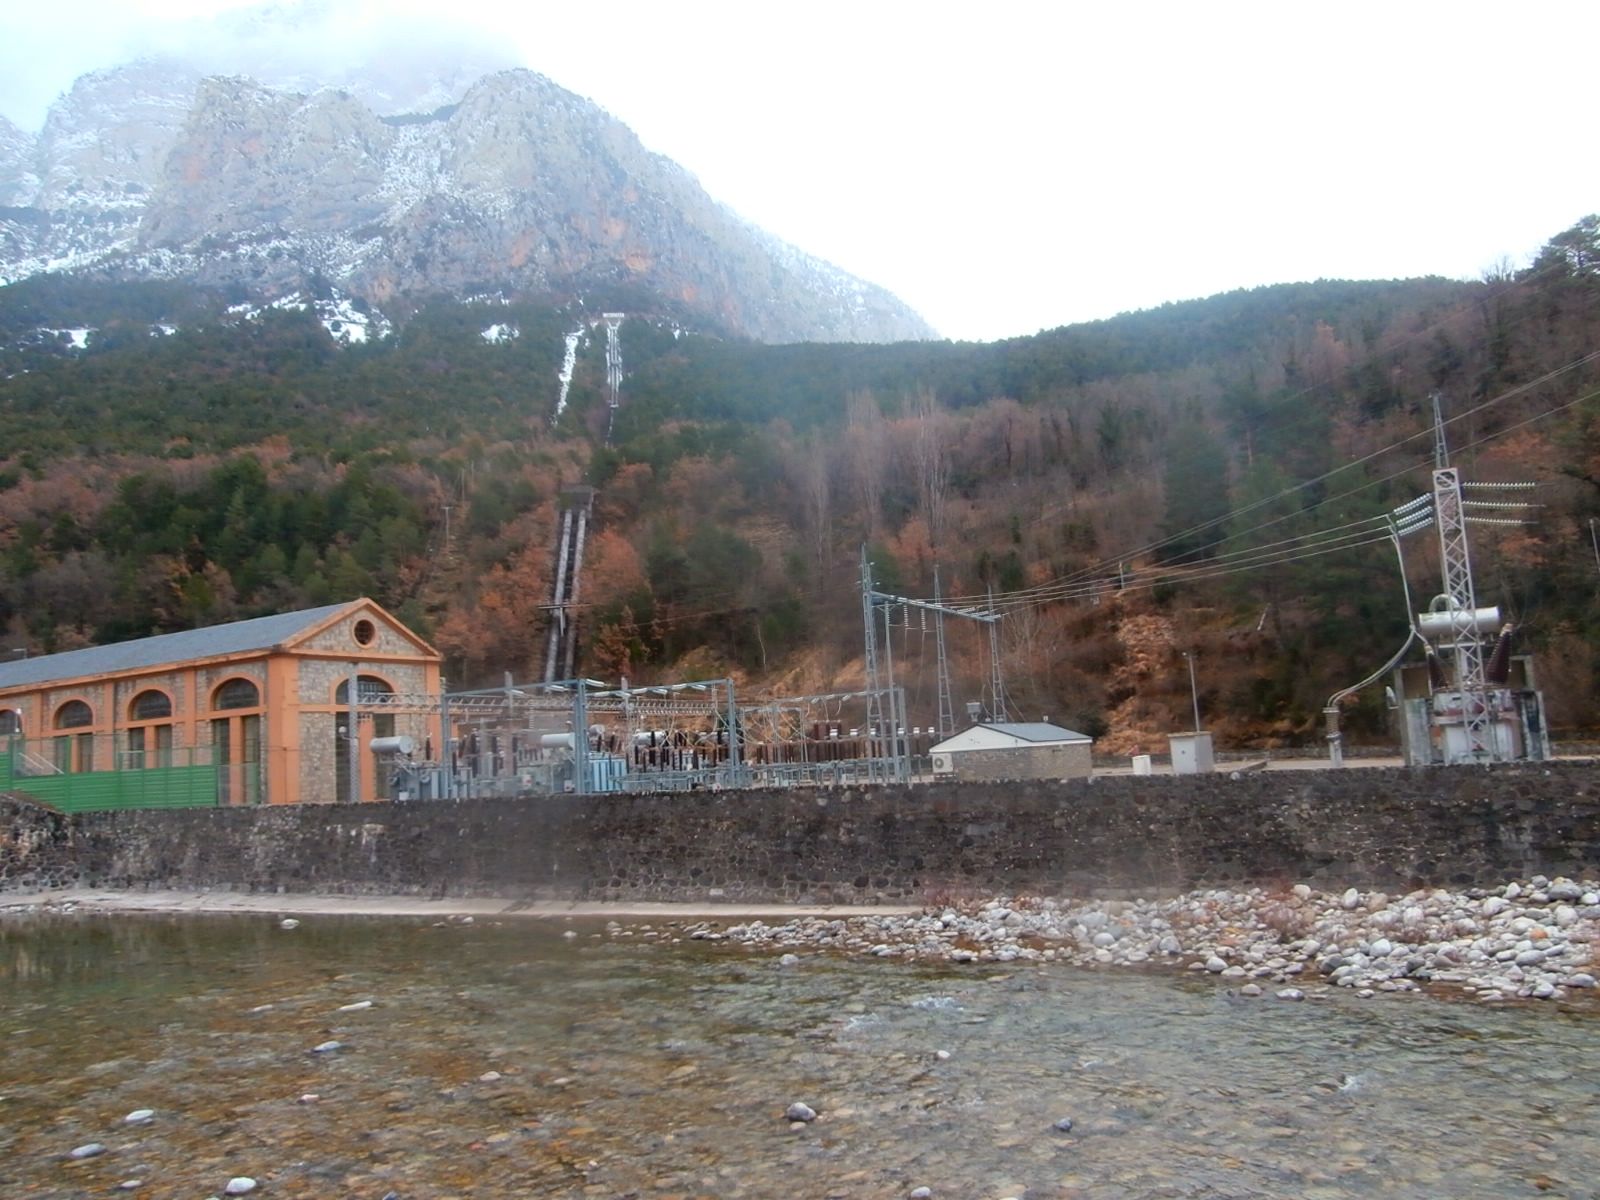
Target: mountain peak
point(515, 183)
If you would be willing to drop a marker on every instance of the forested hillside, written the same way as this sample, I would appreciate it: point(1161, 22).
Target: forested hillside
point(1130, 489)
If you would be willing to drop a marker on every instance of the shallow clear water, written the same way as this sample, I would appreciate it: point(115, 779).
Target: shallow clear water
point(630, 1068)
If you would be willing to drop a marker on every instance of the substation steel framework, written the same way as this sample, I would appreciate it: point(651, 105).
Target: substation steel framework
point(880, 679)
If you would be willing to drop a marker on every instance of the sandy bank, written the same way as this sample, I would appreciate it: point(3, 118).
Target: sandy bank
point(299, 904)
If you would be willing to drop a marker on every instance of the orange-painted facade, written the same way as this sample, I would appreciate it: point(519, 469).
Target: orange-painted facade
point(272, 720)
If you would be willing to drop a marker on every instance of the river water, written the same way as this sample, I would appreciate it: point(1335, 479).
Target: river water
point(508, 1060)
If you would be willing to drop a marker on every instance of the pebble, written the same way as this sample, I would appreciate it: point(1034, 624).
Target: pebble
point(129, 1185)
point(239, 1185)
point(570, 934)
point(1291, 994)
point(87, 1150)
point(288, 923)
point(921, 1193)
point(358, 1006)
point(789, 960)
point(1064, 1125)
point(489, 1077)
point(327, 1047)
point(139, 1116)
point(942, 1055)
point(799, 1112)
point(1495, 943)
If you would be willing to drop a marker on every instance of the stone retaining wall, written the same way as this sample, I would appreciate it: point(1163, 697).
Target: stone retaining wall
point(1387, 828)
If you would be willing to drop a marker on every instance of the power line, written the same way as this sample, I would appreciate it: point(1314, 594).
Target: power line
point(1290, 413)
point(1105, 565)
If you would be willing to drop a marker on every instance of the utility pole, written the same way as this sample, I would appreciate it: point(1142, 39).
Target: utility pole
point(1596, 542)
point(1194, 692)
point(353, 737)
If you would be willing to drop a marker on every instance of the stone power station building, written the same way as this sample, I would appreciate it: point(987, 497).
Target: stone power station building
point(251, 712)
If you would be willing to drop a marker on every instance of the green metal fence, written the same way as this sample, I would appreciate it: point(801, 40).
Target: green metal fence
point(186, 784)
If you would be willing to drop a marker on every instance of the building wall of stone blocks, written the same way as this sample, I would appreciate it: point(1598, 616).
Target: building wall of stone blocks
point(1071, 761)
point(340, 638)
point(320, 677)
point(318, 758)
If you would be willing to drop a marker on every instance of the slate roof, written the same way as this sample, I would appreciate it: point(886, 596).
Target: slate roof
point(236, 637)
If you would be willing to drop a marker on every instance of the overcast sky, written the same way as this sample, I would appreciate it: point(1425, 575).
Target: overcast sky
point(1009, 167)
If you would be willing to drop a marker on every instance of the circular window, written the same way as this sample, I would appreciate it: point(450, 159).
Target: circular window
point(365, 631)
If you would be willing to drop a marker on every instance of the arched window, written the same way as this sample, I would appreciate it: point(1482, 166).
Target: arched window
point(150, 744)
point(150, 706)
point(368, 689)
point(74, 714)
point(236, 742)
point(10, 722)
point(236, 693)
point(74, 751)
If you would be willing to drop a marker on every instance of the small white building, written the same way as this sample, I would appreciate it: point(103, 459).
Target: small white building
point(1014, 750)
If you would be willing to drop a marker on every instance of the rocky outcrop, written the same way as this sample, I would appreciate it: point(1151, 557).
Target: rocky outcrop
point(17, 180)
point(520, 186)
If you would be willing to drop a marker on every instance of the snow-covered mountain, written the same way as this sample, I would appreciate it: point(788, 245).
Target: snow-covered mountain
point(155, 171)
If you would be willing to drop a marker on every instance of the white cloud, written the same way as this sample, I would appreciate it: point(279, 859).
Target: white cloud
point(1019, 166)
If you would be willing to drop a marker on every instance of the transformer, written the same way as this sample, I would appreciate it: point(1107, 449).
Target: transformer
point(1440, 721)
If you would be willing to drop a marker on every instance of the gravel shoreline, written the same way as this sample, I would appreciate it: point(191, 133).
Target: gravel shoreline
point(1527, 940)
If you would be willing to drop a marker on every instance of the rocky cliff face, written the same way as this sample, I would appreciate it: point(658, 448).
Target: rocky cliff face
point(520, 186)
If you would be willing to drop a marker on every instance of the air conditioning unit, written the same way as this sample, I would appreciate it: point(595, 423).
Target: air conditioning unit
point(941, 764)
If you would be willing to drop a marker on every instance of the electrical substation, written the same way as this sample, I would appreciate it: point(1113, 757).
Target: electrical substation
point(1455, 701)
point(1454, 706)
